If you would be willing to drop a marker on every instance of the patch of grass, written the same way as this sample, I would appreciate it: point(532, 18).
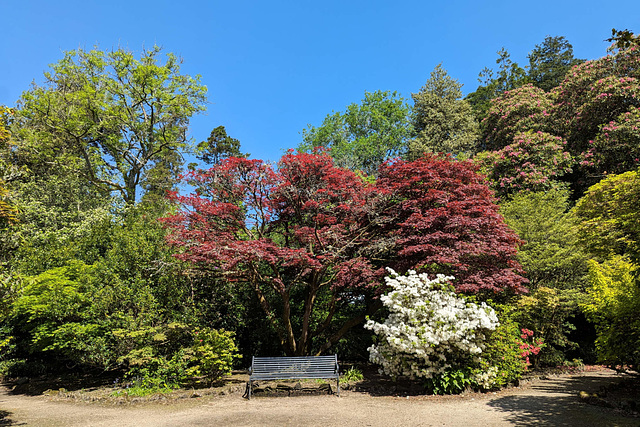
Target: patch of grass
point(141, 391)
point(352, 374)
point(142, 387)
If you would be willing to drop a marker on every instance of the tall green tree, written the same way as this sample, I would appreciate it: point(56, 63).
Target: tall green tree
point(550, 61)
point(365, 134)
point(442, 121)
point(509, 76)
point(550, 255)
point(548, 64)
point(123, 119)
point(218, 146)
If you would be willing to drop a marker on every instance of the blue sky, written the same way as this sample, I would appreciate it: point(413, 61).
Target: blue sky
point(273, 67)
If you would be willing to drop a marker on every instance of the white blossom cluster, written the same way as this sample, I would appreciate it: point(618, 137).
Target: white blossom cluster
point(487, 380)
point(428, 327)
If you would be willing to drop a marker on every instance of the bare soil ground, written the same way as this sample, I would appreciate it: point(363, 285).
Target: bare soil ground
point(552, 400)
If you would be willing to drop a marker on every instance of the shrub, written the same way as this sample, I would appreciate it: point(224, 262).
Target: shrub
point(451, 381)
point(548, 312)
point(613, 303)
point(431, 332)
point(502, 362)
point(352, 374)
point(171, 355)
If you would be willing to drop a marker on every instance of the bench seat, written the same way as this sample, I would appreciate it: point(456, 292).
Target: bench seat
point(289, 368)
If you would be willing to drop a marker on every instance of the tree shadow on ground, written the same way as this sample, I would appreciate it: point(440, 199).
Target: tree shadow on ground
point(35, 386)
point(558, 404)
point(376, 384)
point(5, 419)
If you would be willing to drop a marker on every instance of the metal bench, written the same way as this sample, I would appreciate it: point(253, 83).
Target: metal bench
point(287, 368)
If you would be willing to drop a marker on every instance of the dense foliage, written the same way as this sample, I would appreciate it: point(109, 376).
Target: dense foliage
point(442, 121)
point(434, 334)
point(609, 231)
point(613, 304)
point(551, 254)
point(87, 281)
point(592, 113)
point(312, 238)
point(365, 135)
point(100, 272)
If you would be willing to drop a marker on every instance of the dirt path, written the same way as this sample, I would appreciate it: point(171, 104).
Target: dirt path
point(551, 402)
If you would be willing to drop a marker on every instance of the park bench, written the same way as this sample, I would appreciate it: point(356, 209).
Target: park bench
point(289, 368)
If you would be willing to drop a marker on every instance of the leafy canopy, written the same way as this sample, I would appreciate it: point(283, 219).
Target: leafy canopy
point(123, 119)
point(311, 239)
point(365, 134)
point(609, 216)
point(442, 121)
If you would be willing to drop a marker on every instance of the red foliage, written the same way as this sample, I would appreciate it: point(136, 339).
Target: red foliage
point(444, 220)
point(310, 224)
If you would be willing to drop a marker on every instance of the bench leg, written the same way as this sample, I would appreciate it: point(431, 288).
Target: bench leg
point(338, 386)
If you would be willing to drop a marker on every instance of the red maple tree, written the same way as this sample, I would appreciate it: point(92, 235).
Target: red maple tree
point(312, 240)
point(443, 219)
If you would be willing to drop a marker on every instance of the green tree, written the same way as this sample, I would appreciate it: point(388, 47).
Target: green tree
point(609, 216)
point(613, 303)
point(555, 264)
point(509, 76)
point(442, 121)
point(4, 132)
point(218, 146)
point(365, 135)
point(623, 39)
point(550, 61)
point(57, 213)
point(123, 119)
point(7, 211)
point(551, 254)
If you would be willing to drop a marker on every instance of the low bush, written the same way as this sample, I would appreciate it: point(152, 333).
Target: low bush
point(502, 360)
point(431, 333)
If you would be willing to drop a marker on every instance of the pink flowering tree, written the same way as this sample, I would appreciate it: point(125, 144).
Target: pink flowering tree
point(523, 109)
point(594, 109)
point(535, 161)
point(617, 146)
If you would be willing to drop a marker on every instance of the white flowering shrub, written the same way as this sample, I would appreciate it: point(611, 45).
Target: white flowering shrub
point(429, 328)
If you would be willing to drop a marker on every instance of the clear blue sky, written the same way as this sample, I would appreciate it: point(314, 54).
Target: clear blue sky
point(272, 67)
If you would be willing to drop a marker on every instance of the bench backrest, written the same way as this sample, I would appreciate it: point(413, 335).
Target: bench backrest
point(266, 368)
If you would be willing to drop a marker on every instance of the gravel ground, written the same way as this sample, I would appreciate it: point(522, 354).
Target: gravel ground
point(551, 401)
